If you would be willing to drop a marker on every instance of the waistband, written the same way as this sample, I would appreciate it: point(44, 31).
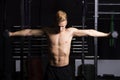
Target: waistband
point(60, 67)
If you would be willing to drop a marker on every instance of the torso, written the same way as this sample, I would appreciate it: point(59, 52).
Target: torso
point(59, 46)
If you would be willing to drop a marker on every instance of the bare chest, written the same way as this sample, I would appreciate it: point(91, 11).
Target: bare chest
point(60, 38)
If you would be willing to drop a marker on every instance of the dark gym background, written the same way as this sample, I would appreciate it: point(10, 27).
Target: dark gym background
point(33, 49)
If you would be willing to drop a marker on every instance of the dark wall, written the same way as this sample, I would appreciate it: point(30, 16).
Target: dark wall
point(72, 7)
point(35, 12)
point(5, 54)
point(13, 15)
point(43, 11)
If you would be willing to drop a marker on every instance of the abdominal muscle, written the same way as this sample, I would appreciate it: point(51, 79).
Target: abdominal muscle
point(59, 55)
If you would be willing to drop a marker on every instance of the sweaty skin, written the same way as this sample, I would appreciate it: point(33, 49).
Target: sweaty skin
point(59, 39)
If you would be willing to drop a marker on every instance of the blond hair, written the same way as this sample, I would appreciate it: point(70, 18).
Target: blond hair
point(61, 16)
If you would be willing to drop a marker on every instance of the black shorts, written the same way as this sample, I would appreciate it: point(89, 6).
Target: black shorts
point(58, 73)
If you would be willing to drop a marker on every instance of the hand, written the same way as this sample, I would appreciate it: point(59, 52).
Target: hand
point(114, 34)
point(10, 33)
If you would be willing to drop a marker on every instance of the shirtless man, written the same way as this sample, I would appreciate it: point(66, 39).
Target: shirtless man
point(59, 45)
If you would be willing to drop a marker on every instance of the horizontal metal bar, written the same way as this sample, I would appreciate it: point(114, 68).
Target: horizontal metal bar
point(79, 48)
point(91, 57)
point(19, 57)
point(108, 12)
point(79, 51)
point(78, 45)
point(39, 46)
point(109, 4)
point(105, 4)
point(16, 26)
point(79, 42)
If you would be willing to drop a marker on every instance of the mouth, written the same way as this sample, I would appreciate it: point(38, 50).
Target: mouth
point(61, 26)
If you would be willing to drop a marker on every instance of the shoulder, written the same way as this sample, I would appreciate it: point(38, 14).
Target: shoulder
point(72, 29)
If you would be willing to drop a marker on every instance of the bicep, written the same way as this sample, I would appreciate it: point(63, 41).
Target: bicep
point(36, 32)
point(80, 33)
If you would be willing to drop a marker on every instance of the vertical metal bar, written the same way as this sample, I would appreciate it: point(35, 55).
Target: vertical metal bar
point(22, 13)
point(83, 38)
point(96, 14)
point(29, 25)
point(95, 39)
point(22, 40)
point(25, 23)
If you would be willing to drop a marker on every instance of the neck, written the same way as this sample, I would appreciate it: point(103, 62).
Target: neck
point(62, 29)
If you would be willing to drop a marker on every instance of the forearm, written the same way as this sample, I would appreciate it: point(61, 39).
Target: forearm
point(95, 33)
point(90, 32)
point(25, 32)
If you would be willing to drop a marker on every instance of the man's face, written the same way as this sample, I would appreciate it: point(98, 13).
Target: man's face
point(62, 23)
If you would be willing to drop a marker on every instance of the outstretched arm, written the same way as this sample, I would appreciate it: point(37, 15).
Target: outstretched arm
point(27, 32)
point(89, 32)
